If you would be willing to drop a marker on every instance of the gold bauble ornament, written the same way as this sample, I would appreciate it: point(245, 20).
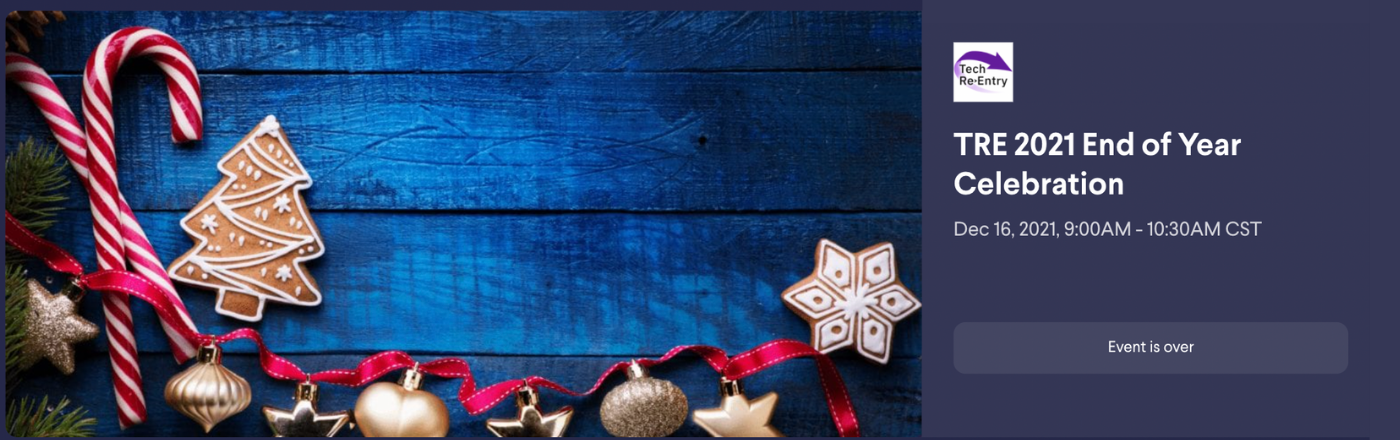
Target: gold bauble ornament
point(52, 326)
point(207, 392)
point(389, 410)
point(644, 406)
point(303, 420)
point(737, 416)
point(528, 421)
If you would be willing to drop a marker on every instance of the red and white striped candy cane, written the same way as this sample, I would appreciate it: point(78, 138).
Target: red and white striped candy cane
point(119, 237)
point(37, 84)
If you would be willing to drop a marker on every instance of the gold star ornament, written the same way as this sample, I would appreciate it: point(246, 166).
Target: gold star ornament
point(303, 420)
point(737, 416)
point(51, 328)
point(528, 422)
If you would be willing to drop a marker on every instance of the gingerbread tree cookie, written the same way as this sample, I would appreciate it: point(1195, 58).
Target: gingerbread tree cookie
point(252, 232)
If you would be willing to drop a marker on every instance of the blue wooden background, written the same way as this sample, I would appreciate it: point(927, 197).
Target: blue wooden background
point(540, 193)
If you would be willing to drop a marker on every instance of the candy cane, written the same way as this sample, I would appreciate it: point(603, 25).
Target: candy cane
point(119, 237)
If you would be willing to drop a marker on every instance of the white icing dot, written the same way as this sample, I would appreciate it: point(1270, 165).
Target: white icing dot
point(204, 276)
point(311, 248)
point(218, 248)
point(301, 251)
point(189, 269)
point(269, 244)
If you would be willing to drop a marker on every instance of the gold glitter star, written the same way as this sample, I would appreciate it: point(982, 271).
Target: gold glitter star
point(737, 416)
point(51, 329)
point(303, 420)
point(529, 422)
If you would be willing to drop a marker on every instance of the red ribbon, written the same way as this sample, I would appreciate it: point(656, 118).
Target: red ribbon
point(53, 256)
point(475, 401)
point(746, 364)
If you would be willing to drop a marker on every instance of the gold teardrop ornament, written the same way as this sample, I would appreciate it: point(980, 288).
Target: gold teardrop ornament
point(206, 391)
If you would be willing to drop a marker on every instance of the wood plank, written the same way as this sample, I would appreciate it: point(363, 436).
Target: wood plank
point(887, 399)
point(541, 284)
point(682, 142)
point(509, 41)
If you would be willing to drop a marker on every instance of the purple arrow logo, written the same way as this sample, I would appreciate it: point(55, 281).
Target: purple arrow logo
point(993, 62)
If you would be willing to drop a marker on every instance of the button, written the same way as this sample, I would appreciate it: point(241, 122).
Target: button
point(1150, 348)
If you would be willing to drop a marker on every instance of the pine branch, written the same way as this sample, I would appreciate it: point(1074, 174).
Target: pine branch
point(25, 419)
point(34, 175)
point(16, 312)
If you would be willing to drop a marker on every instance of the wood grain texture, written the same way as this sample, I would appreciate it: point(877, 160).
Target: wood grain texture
point(669, 142)
point(887, 406)
point(538, 192)
point(542, 284)
point(510, 41)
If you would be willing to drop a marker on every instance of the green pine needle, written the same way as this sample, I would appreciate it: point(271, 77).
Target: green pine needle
point(26, 419)
point(16, 311)
point(34, 175)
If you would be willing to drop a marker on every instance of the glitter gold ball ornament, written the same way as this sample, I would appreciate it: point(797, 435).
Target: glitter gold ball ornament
point(207, 392)
point(644, 406)
point(737, 416)
point(51, 328)
point(401, 410)
point(528, 421)
point(303, 420)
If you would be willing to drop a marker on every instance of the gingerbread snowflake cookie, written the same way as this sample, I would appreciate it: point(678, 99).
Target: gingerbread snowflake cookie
point(252, 232)
point(853, 300)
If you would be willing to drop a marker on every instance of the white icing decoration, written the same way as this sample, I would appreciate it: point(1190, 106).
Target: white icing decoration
point(298, 290)
point(264, 272)
point(218, 248)
point(257, 175)
point(279, 154)
point(240, 241)
point(189, 269)
point(284, 273)
point(204, 276)
point(301, 251)
point(207, 222)
point(292, 221)
point(248, 171)
point(282, 204)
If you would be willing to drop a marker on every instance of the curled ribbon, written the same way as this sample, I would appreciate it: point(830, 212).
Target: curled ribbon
point(473, 400)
